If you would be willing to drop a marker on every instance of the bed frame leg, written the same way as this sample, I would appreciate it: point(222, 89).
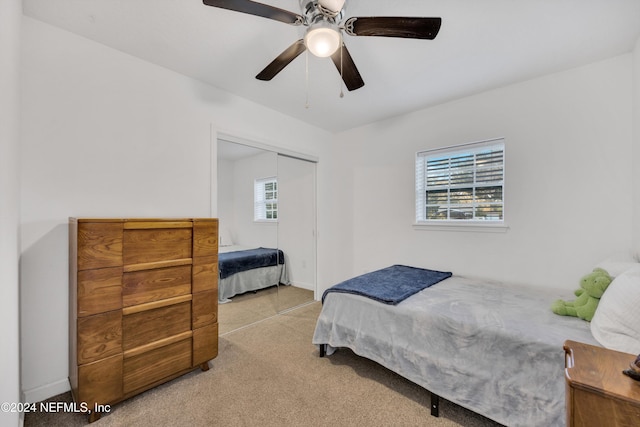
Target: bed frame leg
point(435, 405)
point(323, 350)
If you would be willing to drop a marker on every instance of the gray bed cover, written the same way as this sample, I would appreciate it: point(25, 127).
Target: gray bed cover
point(249, 280)
point(494, 349)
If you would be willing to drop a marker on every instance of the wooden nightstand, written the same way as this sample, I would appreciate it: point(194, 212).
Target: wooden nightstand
point(598, 393)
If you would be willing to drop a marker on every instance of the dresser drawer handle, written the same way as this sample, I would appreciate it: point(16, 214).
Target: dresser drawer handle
point(156, 304)
point(144, 225)
point(157, 344)
point(157, 264)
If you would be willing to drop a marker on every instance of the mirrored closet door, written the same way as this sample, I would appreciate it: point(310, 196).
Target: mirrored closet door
point(267, 211)
point(296, 230)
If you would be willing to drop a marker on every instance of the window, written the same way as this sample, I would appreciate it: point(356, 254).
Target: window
point(461, 184)
point(265, 196)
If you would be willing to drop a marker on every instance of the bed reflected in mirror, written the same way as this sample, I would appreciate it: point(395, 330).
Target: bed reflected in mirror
point(265, 209)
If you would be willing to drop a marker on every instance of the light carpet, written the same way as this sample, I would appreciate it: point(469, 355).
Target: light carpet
point(269, 374)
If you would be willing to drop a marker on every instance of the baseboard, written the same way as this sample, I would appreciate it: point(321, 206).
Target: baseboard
point(307, 286)
point(46, 391)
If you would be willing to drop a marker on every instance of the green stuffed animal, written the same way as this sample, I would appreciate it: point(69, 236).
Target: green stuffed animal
point(592, 286)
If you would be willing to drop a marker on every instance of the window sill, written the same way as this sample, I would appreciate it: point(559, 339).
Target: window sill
point(473, 226)
point(265, 221)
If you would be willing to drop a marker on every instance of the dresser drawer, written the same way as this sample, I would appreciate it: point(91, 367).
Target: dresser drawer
point(155, 365)
point(139, 287)
point(144, 327)
point(156, 244)
point(205, 238)
point(99, 245)
point(205, 343)
point(99, 291)
point(205, 274)
point(99, 336)
point(100, 381)
point(204, 309)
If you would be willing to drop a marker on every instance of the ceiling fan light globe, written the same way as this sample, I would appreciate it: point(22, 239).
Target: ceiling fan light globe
point(322, 41)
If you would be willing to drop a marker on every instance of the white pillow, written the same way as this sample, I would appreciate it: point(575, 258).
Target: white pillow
point(616, 323)
point(618, 264)
point(224, 237)
point(616, 268)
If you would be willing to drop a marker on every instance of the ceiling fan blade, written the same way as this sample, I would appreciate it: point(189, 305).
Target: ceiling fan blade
point(278, 64)
point(257, 9)
point(389, 26)
point(347, 68)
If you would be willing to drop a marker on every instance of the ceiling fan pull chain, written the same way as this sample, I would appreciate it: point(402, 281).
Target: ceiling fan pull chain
point(306, 78)
point(341, 78)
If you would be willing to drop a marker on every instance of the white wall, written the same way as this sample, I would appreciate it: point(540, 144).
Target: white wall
point(636, 147)
point(245, 231)
point(10, 19)
point(568, 179)
point(106, 134)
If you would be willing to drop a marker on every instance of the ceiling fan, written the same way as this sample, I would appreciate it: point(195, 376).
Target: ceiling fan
point(323, 37)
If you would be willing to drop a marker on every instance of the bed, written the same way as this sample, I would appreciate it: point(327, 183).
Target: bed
point(242, 269)
point(494, 349)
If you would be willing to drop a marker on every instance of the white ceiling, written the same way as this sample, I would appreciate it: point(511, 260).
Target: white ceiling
point(481, 45)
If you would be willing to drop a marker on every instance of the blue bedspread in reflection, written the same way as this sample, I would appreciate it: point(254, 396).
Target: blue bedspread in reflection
point(230, 263)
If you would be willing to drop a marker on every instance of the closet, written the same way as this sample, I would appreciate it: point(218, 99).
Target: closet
point(239, 165)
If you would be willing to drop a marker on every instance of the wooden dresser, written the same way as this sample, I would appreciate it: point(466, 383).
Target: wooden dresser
point(598, 393)
point(143, 304)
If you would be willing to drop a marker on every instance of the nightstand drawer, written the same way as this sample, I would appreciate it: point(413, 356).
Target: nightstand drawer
point(608, 412)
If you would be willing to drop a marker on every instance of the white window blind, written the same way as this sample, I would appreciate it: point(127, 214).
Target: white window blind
point(265, 196)
point(461, 183)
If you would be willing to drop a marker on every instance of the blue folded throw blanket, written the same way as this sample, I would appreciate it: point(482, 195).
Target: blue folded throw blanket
point(390, 285)
point(230, 263)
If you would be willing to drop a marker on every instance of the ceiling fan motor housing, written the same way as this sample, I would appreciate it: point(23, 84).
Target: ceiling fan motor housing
point(314, 12)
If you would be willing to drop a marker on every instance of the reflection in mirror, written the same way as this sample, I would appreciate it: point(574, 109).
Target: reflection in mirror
point(248, 232)
point(296, 230)
point(267, 252)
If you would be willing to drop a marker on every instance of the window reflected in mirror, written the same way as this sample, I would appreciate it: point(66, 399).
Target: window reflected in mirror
point(267, 252)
